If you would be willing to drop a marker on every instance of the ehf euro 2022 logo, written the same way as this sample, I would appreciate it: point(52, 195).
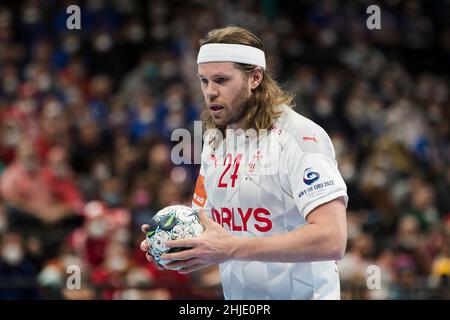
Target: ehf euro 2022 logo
point(310, 176)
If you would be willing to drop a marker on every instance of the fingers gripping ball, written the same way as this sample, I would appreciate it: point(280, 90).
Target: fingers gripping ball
point(171, 223)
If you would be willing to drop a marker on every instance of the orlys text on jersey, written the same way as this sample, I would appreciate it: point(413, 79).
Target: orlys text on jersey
point(240, 219)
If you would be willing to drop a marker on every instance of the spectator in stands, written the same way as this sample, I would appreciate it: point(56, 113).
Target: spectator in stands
point(28, 194)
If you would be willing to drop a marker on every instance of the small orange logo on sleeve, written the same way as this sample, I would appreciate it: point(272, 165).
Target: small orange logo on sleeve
point(199, 197)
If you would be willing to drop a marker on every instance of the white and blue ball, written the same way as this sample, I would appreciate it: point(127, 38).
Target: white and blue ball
point(171, 223)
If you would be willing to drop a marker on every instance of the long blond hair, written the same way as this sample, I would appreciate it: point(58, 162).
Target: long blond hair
point(261, 112)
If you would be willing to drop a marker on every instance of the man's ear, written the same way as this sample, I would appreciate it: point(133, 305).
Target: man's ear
point(256, 77)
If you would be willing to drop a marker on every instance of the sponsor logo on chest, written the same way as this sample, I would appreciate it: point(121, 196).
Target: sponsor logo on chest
point(240, 219)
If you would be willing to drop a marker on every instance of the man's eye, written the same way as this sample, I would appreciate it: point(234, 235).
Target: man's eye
point(221, 80)
point(204, 81)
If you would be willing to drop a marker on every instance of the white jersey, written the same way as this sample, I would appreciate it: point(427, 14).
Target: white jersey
point(267, 186)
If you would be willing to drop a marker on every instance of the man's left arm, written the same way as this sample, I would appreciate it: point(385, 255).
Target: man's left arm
point(323, 238)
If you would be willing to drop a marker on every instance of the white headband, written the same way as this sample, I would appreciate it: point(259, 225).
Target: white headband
point(214, 52)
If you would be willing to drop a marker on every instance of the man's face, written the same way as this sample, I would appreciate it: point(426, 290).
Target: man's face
point(226, 92)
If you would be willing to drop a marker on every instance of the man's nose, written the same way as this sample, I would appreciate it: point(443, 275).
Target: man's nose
point(211, 91)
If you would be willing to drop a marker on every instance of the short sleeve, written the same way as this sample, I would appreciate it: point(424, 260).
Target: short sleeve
point(313, 176)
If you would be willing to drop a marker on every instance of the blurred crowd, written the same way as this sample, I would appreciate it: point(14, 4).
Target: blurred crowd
point(86, 118)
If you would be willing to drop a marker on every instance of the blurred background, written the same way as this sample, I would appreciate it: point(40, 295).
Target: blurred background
point(86, 118)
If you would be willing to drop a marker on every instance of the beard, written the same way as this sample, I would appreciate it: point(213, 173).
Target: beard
point(234, 112)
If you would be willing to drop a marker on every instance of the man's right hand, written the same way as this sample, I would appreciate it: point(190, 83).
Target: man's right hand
point(144, 247)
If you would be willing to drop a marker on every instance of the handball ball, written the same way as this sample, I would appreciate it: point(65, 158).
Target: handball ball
point(171, 223)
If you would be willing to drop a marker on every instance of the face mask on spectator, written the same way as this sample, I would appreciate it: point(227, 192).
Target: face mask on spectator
point(103, 42)
point(146, 115)
point(324, 107)
point(27, 106)
point(31, 14)
point(174, 120)
point(353, 230)
point(101, 171)
point(116, 263)
point(12, 254)
point(71, 44)
point(97, 228)
point(122, 235)
point(339, 146)
point(348, 171)
point(112, 199)
point(44, 82)
point(175, 103)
